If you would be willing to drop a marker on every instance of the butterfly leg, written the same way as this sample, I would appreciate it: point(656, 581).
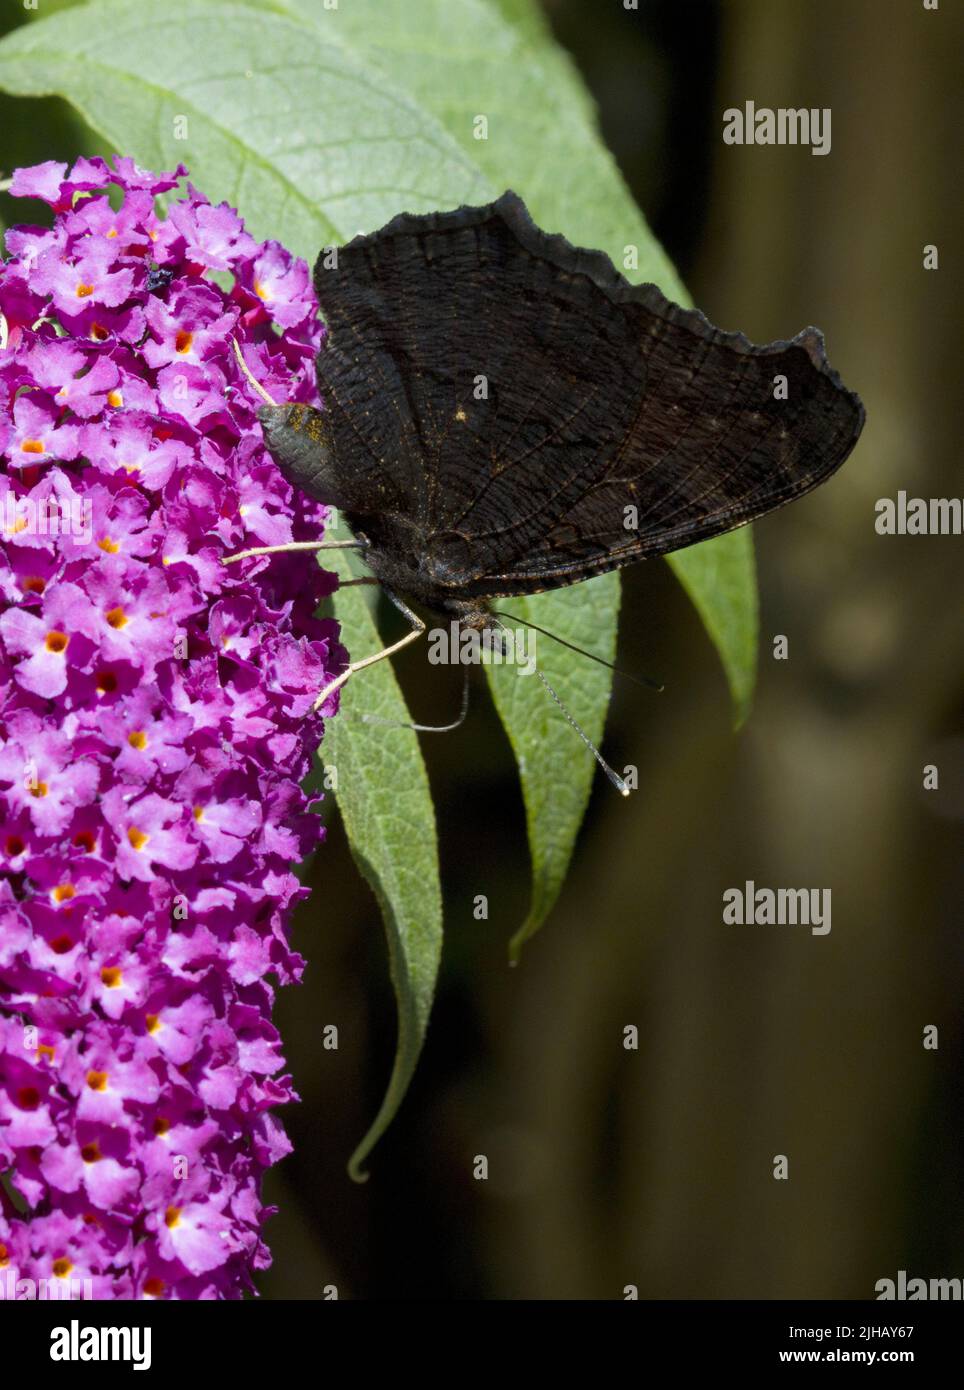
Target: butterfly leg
point(246, 370)
point(418, 627)
point(293, 545)
point(426, 728)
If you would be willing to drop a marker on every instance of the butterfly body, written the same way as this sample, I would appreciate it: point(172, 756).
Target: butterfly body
point(504, 413)
point(402, 554)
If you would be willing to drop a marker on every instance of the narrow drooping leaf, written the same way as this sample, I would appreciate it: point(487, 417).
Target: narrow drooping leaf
point(720, 578)
point(385, 802)
point(556, 769)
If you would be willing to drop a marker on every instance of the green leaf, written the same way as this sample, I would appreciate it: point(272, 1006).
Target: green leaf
point(385, 802)
point(461, 59)
point(527, 15)
point(310, 140)
point(720, 578)
point(554, 766)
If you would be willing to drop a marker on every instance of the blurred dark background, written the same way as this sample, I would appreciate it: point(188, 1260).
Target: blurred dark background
point(654, 1168)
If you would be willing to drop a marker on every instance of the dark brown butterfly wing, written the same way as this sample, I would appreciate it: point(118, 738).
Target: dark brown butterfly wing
point(508, 399)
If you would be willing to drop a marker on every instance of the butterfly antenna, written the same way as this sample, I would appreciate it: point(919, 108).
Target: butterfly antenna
point(611, 773)
point(645, 681)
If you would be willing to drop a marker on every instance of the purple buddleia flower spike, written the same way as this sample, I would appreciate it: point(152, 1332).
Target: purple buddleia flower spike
point(155, 728)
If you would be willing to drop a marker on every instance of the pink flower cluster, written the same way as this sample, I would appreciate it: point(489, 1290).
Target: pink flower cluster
point(155, 725)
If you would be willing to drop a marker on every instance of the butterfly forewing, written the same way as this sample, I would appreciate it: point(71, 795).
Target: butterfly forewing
point(514, 415)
